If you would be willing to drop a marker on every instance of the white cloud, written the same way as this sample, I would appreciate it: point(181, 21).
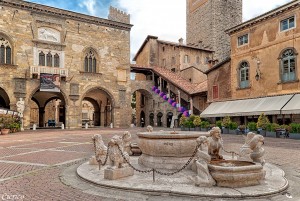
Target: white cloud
point(167, 18)
point(253, 8)
point(90, 6)
point(162, 18)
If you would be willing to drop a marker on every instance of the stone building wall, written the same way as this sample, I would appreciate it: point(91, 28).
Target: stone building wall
point(207, 21)
point(220, 79)
point(263, 53)
point(21, 23)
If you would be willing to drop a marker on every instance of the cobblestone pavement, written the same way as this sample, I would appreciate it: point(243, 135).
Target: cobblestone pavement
point(34, 164)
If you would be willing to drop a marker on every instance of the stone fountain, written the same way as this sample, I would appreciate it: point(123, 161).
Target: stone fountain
point(162, 167)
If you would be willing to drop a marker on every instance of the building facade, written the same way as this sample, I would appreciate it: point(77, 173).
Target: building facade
point(264, 70)
point(88, 56)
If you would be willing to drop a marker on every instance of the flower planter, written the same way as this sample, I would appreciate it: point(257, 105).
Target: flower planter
point(4, 131)
point(204, 129)
point(270, 134)
point(295, 136)
point(191, 129)
point(225, 130)
point(263, 133)
point(197, 129)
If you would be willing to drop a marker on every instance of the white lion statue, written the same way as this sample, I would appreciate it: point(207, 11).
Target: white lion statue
point(127, 142)
point(149, 128)
point(253, 148)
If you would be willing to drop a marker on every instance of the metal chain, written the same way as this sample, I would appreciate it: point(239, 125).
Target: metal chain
point(182, 168)
point(141, 171)
point(230, 152)
point(157, 171)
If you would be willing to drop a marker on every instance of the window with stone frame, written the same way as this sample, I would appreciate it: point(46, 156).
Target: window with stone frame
point(186, 59)
point(5, 51)
point(288, 65)
point(90, 62)
point(244, 75)
point(288, 23)
point(243, 40)
point(215, 92)
point(49, 58)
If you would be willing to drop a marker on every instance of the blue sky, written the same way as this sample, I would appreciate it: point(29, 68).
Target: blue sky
point(162, 18)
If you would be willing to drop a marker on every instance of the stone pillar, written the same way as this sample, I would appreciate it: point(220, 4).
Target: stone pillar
point(160, 83)
point(191, 105)
point(42, 117)
point(179, 98)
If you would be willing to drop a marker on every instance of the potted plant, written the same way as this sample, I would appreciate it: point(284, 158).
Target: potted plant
point(204, 125)
point(219, 124)
point(225, 124)
point(262, 123)
point(5, 124)
point(295, 131)
point(233, 127)
point(252, 127)
point(191, 122)
point(197, 122)
point(182, 122)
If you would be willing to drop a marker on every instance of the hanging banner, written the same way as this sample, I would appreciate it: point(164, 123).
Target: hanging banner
point(49, 82)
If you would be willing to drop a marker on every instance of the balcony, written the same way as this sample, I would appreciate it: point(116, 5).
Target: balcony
point(63, 72)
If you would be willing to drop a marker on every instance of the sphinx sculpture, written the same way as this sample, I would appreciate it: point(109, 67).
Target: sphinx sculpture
point(127, 142)
point(215, 144)
point(252, 150)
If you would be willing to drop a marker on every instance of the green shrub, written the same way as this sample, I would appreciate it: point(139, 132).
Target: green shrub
point(189, 123)
point(262, 121)
point(219, 123)
point(182, 120)
point(295, 128)
point(204, 124)
point(252, 126)
point(274, 126)
point(226, 121)
point(197, 121)
point(233, 126)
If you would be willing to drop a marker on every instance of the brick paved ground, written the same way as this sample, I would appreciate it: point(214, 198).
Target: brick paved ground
point(31, 162)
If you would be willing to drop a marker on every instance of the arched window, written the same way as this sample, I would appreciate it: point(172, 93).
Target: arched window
point(5, 51)
point(288, 65)
point(90, 62)
point(49, 59)
point(41, 59)
point(244, 74)
point(56, 60)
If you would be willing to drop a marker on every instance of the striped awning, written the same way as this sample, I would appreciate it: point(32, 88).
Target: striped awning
point(249, 107)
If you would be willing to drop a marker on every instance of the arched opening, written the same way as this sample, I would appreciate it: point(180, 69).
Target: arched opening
point(141, 104)
point(151, 119)
point(47, 109)
point(97, 108)
point(159, 119)
point(4, 99)
point(142, 120)
point(169, 119)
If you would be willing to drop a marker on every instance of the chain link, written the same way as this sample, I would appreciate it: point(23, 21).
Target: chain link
point(157, 171)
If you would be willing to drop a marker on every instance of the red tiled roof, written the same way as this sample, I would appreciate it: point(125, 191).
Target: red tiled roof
point(176, 80)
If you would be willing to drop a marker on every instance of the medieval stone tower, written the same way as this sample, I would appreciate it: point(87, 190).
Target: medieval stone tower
point(207, 21)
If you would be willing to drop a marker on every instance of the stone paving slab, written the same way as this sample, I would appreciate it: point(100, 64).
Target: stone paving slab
point(180, 184)
point(45, 145)
point(12, 169)
point(48, 157)
point(78, 148)
point(12, 151)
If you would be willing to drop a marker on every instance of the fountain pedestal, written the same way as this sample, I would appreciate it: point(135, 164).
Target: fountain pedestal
point(164, 150)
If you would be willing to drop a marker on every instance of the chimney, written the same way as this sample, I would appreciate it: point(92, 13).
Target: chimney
point(180, 41)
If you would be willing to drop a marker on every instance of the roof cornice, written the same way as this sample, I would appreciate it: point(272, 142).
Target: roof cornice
point(265, 16)
point(48, 10)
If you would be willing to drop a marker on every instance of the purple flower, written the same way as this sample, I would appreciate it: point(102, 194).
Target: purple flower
point(174, 104)
point(154, 88)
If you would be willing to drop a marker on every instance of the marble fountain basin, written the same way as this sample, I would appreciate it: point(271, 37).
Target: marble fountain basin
point(165, 150)
point(234, 173)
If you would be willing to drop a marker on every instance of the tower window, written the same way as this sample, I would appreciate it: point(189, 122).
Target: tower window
point(288, 23)
point(5, 52)
point(90, 62)
point(243, 40)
